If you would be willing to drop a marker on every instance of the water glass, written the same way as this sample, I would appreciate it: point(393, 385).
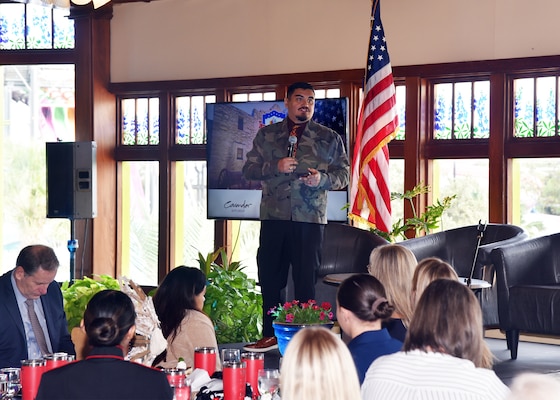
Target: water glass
point(177, 380)
point(231, 355)
point(13, 383)
point(182, 390)
point(269, 381)
point(174, 376)
point(3, 385)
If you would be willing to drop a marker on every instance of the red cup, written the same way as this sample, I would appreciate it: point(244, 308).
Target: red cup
point(205, 358)
point(55, 360)
point(31, 372)
point(254, 362)
point(234, 377)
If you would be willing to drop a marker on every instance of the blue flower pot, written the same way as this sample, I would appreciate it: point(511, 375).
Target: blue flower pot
point(284, 331)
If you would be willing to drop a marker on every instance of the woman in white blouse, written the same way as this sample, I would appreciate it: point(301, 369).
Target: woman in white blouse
point(444, 354)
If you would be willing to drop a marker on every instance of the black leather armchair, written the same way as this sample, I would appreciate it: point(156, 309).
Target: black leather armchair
point(528, 280)
point(458, 246)
point(346, 249)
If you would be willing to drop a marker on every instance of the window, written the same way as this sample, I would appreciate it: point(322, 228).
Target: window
point(144, 179)
point(468, 179)
point(33, 26)
point(38, 108)
point(140, 121)
point(190, 118)
point(194, 233)
point(462, 110)
point(536, 107)
point(401, 110)
point(140, 228)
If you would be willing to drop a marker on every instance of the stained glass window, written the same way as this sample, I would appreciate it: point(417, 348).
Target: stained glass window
point(536, 107)
point(253, 96)
point(462, 110)
point(190, 120)
point(140, 121)
point(33, 26)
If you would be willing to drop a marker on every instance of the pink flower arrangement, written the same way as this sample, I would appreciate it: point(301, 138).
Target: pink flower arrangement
point(302, 313)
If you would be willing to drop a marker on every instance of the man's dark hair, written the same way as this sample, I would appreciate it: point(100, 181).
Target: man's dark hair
point(299, 85)
point(36, 256)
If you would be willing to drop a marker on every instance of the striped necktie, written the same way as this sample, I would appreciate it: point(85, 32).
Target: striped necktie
point(37, 330)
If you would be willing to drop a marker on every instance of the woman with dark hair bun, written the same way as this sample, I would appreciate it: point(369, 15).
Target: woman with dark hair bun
point(109, 322)
point(108, 318)
point(361, 309)
point(178, 303)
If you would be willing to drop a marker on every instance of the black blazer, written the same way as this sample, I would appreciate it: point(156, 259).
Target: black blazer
point(104, 375)
point(13, 344)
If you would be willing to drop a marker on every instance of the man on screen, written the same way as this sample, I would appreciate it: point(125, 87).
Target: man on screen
point(297, 161)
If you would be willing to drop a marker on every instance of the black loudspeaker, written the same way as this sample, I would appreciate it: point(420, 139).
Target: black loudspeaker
point(72, 180)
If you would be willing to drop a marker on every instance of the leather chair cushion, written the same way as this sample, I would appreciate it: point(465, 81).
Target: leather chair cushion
point(535, 308)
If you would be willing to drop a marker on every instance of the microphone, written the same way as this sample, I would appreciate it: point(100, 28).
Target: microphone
point(292, 140)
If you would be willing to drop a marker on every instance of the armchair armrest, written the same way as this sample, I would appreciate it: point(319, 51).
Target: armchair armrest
point(521, 263)
point(484, 257)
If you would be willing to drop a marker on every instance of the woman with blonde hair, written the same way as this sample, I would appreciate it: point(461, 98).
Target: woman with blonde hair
point(444, 354)
point(317, 365)
point(427, 271)
point(394, 265)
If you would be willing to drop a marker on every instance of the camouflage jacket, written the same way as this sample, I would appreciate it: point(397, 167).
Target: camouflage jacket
point(284, 196)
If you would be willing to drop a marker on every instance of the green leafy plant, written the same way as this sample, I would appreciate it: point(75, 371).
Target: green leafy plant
point(77, 295)
point(232, 301)
point(294, 312)
point(426, 222)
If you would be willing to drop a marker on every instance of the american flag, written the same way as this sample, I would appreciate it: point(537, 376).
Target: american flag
point(377, 126)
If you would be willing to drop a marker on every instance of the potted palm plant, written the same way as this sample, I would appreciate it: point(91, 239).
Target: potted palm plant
point(233, 302)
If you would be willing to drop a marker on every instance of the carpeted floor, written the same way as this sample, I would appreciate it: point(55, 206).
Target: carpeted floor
point(531, 357)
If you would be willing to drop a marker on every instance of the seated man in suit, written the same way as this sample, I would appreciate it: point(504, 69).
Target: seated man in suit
point(33, 322)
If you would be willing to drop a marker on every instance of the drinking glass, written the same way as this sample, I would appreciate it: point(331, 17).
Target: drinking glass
point(3, 385)
point(13, 384)
point(231, 355)
point(269, 381)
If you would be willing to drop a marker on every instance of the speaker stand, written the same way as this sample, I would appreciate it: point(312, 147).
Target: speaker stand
point(72, 246)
